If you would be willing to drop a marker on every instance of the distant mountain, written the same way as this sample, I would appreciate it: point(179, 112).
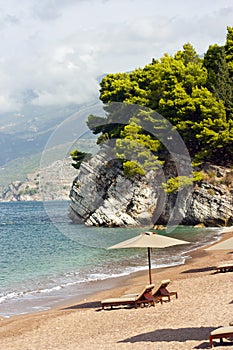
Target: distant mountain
point(12, 146)
point(28, 138)
point(18, 169)
point(50, 183)
point(42, 176)
point(27, 132)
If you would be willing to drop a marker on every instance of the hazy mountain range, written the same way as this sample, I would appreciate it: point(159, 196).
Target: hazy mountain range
point(26, 135)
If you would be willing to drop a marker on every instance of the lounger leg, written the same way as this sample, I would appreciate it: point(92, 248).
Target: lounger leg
point(211, 342)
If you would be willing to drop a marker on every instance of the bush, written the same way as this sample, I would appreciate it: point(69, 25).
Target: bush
point(132, 168)
point(178, 183)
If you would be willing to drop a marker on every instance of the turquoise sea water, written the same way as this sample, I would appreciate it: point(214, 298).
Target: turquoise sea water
point(45, 258)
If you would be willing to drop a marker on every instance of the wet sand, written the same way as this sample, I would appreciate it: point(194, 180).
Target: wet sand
point(205, 302)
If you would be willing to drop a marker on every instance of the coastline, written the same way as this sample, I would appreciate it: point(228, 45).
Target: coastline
point(204, 303)
point(129, 283)
point(71, 278)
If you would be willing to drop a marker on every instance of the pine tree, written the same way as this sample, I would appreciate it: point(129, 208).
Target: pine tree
point(219, 80)
point(229, 50)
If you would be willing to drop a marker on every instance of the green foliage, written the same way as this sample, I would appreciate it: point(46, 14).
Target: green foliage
point(135, 133)
point(132, 169)
point(219, 80)
point(29, 191)
point(78, 157)
point(229, 50)
point(216, 136)
point(194, 94)
point(137, 150)
point(178, 183)
point(122, 87)
point(96, 124)
point(188, 55)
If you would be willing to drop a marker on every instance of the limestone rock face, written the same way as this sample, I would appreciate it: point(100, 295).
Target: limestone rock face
point(207, 204)
point(210, 205)
point(102, 196)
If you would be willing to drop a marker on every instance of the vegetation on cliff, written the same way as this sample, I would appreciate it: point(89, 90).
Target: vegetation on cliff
point(193, 94)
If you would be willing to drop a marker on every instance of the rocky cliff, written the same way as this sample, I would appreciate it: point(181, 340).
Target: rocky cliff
point(102, 196)
point(211, 202)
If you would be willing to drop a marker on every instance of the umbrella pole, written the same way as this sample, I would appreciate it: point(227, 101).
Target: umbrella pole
point(149, 262)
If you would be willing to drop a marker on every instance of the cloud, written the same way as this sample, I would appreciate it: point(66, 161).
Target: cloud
point(58, 76)
point(52, 51)
point(141, 38)
point(7, 103)
point(70, 79)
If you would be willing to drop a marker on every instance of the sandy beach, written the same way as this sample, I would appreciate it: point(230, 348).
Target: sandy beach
point(205, 302)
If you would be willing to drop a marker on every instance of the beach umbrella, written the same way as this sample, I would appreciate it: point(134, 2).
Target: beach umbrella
point(149, 240)
point(224, 245)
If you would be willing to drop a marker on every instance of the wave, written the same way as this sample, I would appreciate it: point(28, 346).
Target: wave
point(40, 265)
point(67, 287)
point(72, 279)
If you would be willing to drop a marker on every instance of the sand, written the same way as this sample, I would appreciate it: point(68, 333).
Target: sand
point(205, 302)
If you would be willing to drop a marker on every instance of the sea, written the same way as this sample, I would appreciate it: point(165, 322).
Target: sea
point(45, 259)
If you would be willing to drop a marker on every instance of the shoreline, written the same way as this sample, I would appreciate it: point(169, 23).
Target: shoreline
point(200, 292)
point(39, 303)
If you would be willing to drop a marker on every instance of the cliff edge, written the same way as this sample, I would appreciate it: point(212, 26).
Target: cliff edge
point(102, 196)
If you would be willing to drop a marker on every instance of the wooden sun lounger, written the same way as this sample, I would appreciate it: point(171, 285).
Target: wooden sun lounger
point(220, 333)
point(145, 297)
point(162, 291)
point(224, 267)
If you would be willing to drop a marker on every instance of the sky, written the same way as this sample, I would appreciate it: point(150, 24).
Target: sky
point(53, 51)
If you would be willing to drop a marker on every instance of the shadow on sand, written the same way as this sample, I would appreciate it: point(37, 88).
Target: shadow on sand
point(203, 269)
point(97, 306)
point(178, 335)
point(88, 305)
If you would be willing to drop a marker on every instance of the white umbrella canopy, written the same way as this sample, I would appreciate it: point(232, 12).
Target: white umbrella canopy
point(224, 245)
point(149, 240)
